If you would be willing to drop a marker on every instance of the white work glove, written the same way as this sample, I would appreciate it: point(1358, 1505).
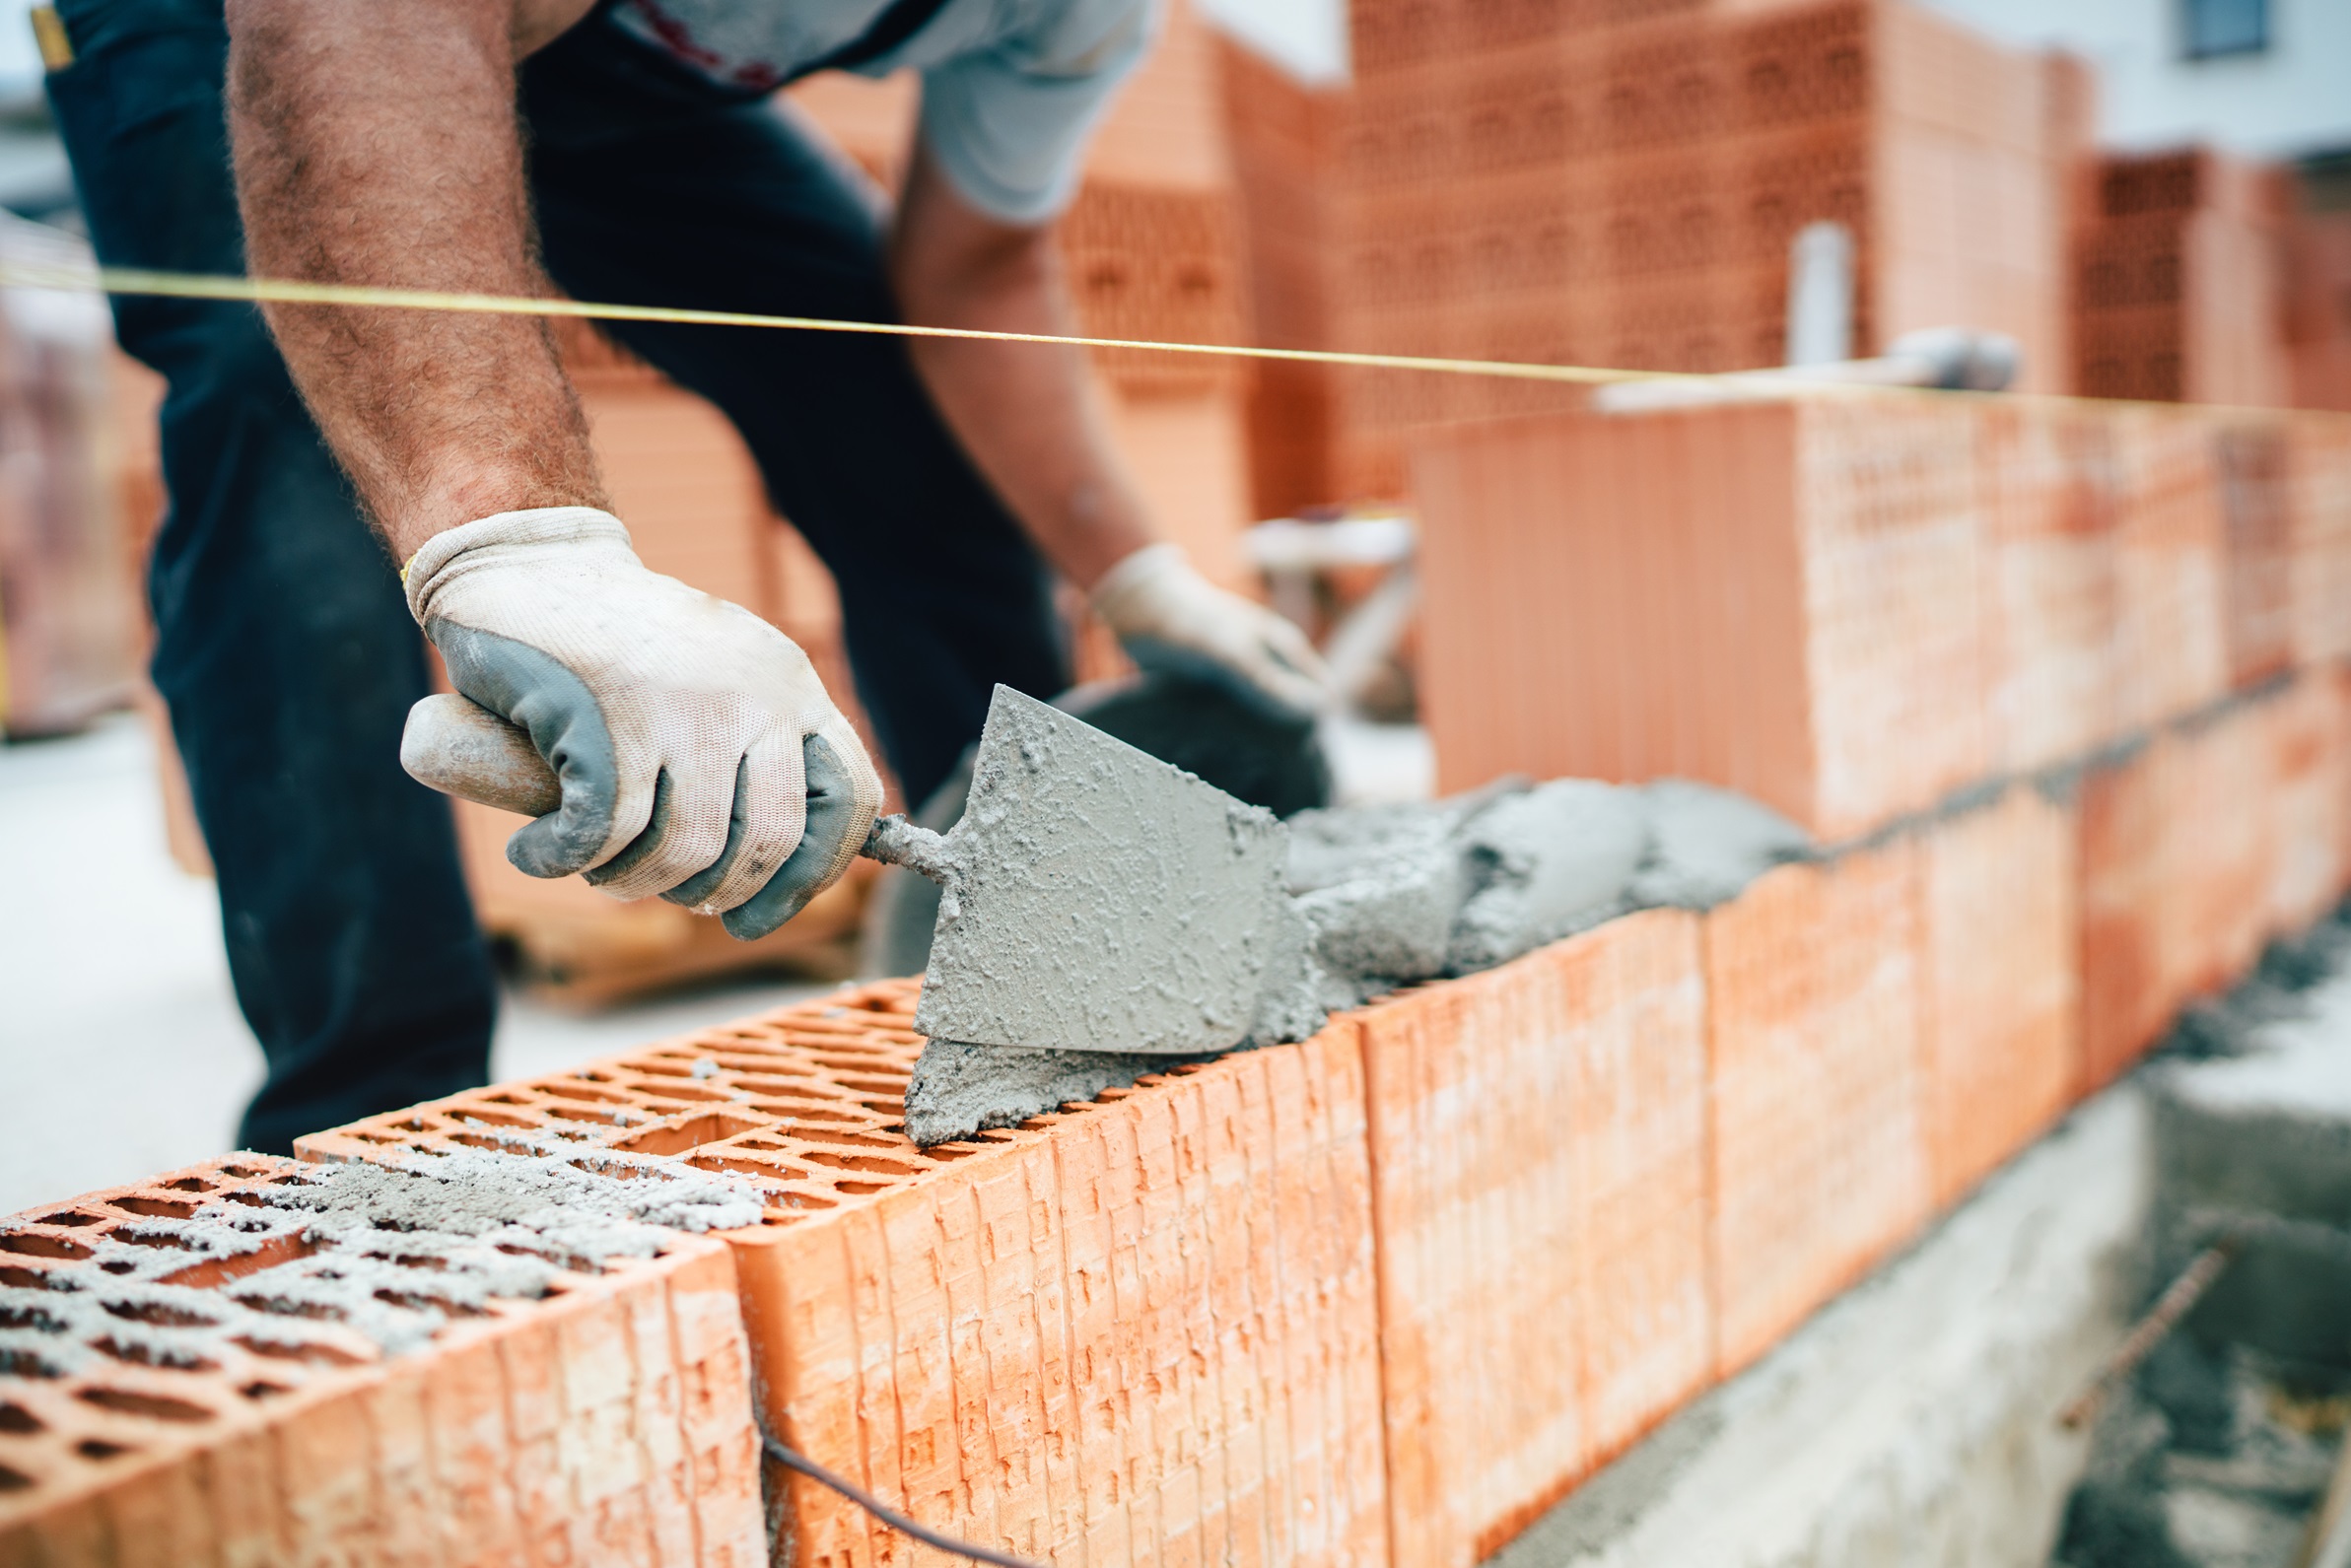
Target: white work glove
point(1167, 616)
point(699, 755)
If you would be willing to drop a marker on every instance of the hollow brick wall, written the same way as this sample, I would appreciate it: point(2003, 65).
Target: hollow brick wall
point(1385, 1294)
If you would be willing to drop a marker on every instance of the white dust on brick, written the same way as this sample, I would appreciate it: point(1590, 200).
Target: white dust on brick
point(393, 1254)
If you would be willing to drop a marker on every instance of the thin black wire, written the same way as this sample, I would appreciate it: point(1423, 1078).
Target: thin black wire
point(883, 1512)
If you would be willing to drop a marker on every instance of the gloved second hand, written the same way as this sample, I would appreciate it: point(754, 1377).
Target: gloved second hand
point(1169, 617)
point(699, 755)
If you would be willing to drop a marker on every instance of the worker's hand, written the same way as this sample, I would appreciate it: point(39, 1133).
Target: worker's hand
point(1167, 616)
point(699, 755)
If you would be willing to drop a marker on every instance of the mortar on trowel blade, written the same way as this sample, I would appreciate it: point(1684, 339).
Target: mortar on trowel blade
point(1091, 894)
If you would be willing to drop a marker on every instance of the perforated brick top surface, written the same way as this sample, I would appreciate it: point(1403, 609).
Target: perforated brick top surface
point(151, 1336)
point(75, 1405)
point(806, 1103)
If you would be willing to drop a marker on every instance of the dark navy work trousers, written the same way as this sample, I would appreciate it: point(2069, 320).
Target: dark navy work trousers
point(284, 648)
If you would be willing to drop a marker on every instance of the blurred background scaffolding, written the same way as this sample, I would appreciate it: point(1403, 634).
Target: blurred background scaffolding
point(2152, 198)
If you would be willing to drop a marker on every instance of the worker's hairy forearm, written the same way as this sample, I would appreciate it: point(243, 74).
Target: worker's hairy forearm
point(375, 143)
point(1029, 414)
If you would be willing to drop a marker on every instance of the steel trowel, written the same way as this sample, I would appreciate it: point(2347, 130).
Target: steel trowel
point(1093, 898)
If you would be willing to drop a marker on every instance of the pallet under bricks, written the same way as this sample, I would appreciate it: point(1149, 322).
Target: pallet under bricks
point(606, 1423)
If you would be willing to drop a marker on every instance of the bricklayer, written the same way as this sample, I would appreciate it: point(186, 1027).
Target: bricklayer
point(609, 1421)
point(1139, 1330)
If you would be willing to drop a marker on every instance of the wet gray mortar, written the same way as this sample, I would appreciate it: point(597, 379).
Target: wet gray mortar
point(1384, 896)
point(398, 1251)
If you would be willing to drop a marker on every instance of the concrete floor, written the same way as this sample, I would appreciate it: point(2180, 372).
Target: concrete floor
point(121, 1049)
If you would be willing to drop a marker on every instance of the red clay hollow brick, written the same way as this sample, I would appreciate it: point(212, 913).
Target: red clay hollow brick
point(1820, 1164)
point(1137, 1330)
point(1538, 1155)
point(1999, 1052)
point(221, 1416)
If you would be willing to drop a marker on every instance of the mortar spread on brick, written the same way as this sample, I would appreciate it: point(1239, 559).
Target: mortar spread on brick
point(1400, 893)
point(959, 1089)
point(389, 1252)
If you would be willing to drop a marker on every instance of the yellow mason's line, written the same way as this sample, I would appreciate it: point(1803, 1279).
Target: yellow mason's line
point(281, 291)
point(278, 291)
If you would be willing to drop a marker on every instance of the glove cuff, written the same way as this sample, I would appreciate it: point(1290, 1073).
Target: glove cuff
point(501, 535)
point(1123, 583)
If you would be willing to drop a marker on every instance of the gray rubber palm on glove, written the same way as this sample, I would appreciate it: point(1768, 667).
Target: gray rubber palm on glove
point(699, 755)
point(1169, 617)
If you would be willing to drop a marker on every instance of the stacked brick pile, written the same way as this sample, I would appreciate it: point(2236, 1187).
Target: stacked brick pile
point(1151, 247)
point(1620, 185)
point(2178, 279)
point(1284, 137)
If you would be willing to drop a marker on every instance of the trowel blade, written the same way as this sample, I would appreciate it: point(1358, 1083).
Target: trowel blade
point(1104, 901)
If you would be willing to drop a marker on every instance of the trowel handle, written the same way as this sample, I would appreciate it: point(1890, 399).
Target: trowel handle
point(461, 748)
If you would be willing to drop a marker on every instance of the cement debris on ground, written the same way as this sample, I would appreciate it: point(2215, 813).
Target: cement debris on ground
point(1383, 896)
point(2216, 1451)
point(2212, 1458)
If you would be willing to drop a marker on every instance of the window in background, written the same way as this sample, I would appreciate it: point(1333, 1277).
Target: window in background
point(2213, 28)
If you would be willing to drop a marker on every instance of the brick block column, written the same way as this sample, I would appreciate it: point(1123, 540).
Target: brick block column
point(1820, 1164)
point(1537, 1151)
point(1780, 597)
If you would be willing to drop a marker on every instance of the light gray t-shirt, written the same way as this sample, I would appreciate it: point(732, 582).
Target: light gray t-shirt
point(1010, 88)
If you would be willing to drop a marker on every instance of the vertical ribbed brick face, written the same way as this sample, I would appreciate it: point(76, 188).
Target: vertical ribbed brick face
point(1819, 1162)
point(1142, 1328)
point(2195, 847)
point(2050, 607)
point(1538, 1146)
point(2309, 759)
point(1785, 599)
point(1999, 1049)
point(2221, 830)
point(609, 1421)
point(2127, 992)
point(2319, 495)
point(1891, 536)
point(2170, 650)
